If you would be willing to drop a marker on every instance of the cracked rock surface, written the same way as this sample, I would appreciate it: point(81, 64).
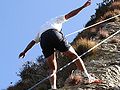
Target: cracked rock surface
point(105, 64)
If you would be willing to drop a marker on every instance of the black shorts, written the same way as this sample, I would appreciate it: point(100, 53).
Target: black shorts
point(52, 40)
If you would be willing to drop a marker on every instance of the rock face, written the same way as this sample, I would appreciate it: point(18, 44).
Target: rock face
point(105, 64)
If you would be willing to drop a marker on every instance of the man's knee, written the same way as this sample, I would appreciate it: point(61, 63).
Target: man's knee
point(70, 54)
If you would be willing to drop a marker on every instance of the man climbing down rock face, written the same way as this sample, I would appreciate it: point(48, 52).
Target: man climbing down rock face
point(51, 39)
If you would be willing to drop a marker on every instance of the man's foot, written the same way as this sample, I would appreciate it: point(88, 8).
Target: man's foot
point(92, 79)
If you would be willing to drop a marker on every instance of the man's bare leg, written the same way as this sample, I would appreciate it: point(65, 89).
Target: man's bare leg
point(51, 61)
point(79, 63)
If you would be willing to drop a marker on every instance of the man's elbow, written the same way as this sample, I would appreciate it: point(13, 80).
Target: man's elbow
point(33, 42)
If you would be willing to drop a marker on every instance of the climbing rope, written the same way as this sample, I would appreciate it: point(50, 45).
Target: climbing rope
point(39, 82)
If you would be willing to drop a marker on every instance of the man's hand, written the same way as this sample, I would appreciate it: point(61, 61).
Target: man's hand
point(29, 46)
point(76, 11)
point(87, 3)
point(22, 54)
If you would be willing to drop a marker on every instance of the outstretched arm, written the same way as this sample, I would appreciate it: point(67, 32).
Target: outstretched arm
point(29, 46)
point(76, 11)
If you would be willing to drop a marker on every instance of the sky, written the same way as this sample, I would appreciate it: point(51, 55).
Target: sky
point(20, 20)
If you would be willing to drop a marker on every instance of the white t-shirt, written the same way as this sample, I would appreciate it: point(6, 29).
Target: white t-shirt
point(55, 23)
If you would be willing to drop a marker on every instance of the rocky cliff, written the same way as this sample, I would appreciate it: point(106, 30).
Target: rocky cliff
point(105, 64)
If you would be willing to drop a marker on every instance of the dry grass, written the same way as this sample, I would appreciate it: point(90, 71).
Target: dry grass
point(115, 5)
point(110, 14)
point(82, 45)
point(105, 12)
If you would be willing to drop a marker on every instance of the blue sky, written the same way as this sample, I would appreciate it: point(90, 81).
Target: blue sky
point(20, 21)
